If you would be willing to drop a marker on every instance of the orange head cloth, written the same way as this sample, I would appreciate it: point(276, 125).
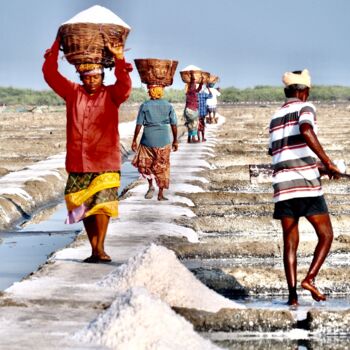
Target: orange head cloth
point(155, 92)
point(89, 68)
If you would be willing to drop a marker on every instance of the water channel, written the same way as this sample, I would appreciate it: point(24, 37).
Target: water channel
point(24, 250)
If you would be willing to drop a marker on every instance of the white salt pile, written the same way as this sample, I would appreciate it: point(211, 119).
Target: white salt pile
point(97, 14)
point(137, 320)
point(190, 67)
point(159, 271)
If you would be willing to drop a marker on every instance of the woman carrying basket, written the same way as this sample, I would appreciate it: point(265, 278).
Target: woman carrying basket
point(191, 114)
point(153, 154)
point(93, 151)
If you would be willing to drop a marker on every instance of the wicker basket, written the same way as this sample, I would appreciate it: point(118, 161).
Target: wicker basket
point(198, 76)
point(154, 71)
point(86, 42)
point(213, 79)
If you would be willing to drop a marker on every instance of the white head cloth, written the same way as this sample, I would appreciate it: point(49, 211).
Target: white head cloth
point(290, 78)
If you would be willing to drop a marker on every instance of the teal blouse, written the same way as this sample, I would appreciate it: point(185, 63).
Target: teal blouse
point(156, 116)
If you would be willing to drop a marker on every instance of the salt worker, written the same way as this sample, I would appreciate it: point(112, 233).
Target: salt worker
point(153, 153)
point(203, 96)
point(294, 147)
point(191, 109)
point(93, 151)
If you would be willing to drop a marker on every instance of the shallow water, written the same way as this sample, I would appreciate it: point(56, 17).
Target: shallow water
point(23, 251)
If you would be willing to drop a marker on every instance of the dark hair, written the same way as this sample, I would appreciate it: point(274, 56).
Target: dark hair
point(291, 90)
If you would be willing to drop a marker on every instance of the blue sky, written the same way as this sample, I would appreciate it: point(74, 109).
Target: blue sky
point(245, 42)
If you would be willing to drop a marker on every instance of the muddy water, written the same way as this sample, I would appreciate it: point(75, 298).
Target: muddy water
point(24, 250)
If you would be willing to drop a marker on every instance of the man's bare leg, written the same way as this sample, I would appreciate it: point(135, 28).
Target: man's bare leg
point(323, 227)
point(96, 229)
point(291, 242)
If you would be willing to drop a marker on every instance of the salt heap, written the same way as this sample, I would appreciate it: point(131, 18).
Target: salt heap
point(159, 271)
point(97, 14)
point(137, 320)
point(191, 67)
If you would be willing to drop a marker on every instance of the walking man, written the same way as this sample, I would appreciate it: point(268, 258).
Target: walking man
point(296, 180)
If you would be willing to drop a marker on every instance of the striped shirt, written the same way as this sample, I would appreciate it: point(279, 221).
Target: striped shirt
point(295, 171)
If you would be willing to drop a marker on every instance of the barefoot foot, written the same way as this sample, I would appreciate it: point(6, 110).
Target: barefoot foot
point(149, 193)
point(315, 293)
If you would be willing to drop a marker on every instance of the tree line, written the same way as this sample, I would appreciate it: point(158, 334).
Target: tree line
point(13, 96)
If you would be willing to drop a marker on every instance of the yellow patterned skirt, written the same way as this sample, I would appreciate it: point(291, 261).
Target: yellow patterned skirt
point(90, 194)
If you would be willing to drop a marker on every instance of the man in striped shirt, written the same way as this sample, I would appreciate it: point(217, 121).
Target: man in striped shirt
point(294, 147)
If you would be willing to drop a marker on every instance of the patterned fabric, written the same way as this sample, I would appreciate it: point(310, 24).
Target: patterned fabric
point(154, 162)
point(155, 116)
point(202, 103)
point(295, 170)
point(90, 194)
point(191, 121)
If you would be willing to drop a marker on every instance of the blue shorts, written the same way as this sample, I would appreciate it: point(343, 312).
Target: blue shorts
point(298, 207)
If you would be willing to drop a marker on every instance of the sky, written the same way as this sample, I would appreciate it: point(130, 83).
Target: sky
point(245, 42)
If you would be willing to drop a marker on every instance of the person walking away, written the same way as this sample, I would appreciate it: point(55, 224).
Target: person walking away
point(203, 96)
point(296, 180)
point(153, 154)
point(93, 151)
point(191, 109)
point(212, 105)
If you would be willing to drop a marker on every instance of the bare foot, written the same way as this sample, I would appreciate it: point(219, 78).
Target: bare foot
point(293, 301)
point(104, 258)
point(315, 293)
point(149, 193)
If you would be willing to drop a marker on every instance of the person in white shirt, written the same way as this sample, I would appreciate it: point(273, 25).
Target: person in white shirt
point(211, 104)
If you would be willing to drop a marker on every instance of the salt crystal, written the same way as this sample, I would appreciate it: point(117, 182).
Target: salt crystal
point(97, 14)
point(138, 320)
point(170, 280)
point(191, 67)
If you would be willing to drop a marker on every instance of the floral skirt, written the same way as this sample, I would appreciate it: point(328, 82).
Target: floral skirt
point(154, 162)
point(90, 194)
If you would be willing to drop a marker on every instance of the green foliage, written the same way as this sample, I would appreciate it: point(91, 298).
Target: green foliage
point(27, 97)
point(12, 96)
point(272, 93)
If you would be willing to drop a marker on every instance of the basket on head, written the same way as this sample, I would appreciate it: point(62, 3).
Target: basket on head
point(213, 79)
point(86, 42)
point(154, 71)
point(199, 76)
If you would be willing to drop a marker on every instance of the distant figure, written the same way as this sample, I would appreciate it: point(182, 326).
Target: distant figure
point(203, 96)
point(296, 180)
point(191, 109)
point(153, 154)
point(93, 151)
point(212, 104)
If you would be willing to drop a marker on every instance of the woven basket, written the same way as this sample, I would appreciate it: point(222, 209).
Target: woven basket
point(86, 42)
point(154, 71)
point(213, 79)
point(198, 76)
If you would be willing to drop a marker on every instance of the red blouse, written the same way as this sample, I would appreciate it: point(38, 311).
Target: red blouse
point(92, 121)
